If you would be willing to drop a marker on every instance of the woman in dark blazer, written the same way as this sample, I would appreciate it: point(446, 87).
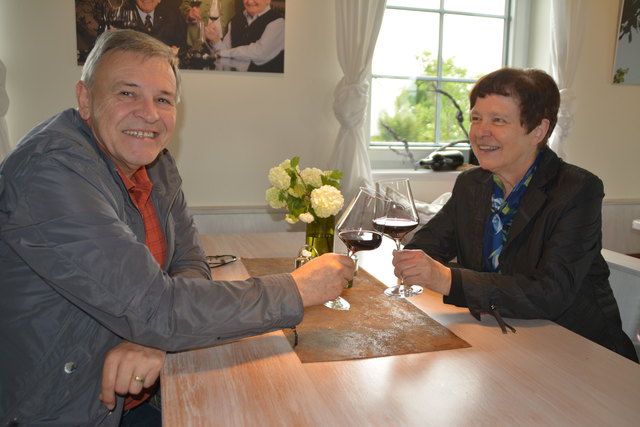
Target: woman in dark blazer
point(521, 235)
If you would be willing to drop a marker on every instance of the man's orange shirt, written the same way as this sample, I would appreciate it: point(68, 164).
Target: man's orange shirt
point(139, 187)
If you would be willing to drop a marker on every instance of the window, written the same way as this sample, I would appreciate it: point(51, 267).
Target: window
point(428, 55)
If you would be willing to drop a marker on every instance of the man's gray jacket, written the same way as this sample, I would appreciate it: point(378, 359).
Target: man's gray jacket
point(76, 277)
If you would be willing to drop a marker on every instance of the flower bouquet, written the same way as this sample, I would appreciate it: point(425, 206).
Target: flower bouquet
point(310, 195)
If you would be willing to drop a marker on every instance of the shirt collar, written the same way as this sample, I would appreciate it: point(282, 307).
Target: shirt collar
point(139, 180)
point(144, 14)
point(250, 18)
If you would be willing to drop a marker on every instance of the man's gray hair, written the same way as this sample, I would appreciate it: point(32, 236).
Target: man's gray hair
point(128, 41)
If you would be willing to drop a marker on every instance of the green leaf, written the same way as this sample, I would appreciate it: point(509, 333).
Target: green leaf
point(328, 181)
point(295, 161)
point(294, 177)
point(296, 206)
point(336, 174)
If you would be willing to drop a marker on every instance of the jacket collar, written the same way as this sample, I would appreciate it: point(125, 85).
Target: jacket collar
point(535, 196)
point(533, 200)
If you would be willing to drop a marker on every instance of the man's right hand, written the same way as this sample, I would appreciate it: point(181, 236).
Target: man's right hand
point(323, 278)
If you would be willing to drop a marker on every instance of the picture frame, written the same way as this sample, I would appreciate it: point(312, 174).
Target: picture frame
point(254, 44)
point(626, 64)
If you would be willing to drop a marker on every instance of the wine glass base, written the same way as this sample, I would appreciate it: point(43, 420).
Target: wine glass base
point(338, 304)
point(403, 291)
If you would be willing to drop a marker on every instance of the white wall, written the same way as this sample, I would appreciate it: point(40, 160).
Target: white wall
point(232, 128)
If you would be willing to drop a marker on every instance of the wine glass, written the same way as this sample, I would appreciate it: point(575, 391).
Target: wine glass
point(355, 229)
point(400, 217)
point(111, 13)
point(214, 11)
point(128, 18)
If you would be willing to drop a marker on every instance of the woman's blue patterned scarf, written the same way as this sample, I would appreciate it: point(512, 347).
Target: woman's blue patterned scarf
point(501, 217)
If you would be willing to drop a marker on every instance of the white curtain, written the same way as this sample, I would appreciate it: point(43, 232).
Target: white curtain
point(5, 147)
point(567, 28)
point(358, 24)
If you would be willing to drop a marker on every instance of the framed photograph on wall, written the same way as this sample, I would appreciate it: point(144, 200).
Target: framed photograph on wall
point(213, 35)
point(626, 65)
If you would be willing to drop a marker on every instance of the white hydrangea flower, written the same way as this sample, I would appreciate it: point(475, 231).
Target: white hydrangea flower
point(279, 178)
point(312, 176)
point(290, 219)
point(326, 201)
point(273, 197)
point(308, 195)
point(306, 217)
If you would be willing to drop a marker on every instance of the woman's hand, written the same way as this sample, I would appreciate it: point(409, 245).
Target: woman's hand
point(417, 268)
point(127, 369)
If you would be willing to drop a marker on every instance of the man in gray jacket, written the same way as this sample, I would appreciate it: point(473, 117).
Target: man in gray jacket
point(98, 254)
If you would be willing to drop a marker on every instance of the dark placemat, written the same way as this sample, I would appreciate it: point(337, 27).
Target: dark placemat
point(375, 326)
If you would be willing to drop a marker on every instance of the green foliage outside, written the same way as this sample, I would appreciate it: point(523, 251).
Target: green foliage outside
point(415, 107)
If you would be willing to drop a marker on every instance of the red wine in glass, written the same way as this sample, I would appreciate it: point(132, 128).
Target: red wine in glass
point(396, 228)
point(358, 240)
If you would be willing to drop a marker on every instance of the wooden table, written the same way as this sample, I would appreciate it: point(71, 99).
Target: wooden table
point(543, 375)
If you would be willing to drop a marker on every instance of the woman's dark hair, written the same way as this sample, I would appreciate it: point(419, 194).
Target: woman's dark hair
point(536, 93)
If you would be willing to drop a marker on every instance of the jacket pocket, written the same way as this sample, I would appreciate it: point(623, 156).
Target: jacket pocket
point(66, 395)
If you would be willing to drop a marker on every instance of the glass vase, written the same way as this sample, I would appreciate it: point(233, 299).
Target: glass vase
point(320, 234)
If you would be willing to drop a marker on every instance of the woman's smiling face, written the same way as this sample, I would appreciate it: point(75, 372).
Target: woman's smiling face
point(499, 139)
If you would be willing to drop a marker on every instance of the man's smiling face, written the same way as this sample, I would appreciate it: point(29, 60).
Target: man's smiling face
point(254, 7)
point(131, 107)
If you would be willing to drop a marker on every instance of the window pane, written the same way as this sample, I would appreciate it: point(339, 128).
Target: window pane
point(404, 36)
point(423, 4)
point(407, 106)
point(473, 44)
point(449, 128)
point(492, 7)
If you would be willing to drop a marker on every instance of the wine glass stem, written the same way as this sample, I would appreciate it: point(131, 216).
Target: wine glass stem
point(351, 254)
point(401, 280)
